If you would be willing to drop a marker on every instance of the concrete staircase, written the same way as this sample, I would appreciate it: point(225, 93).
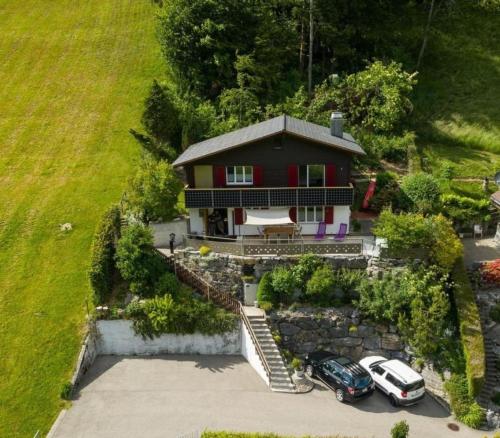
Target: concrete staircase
point(280, 380)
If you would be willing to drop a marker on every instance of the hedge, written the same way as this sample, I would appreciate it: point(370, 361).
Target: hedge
point(470, 329)
point(102, 264)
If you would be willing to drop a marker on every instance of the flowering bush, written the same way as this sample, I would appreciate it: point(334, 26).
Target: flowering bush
point(490, 272)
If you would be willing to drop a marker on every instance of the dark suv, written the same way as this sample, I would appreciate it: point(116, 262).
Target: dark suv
point(347, 378)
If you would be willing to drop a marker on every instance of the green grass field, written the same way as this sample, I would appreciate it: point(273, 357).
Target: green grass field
point(73, 76)
point(457, 111)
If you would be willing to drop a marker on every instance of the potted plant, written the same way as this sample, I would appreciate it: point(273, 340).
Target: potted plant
point(297, 366)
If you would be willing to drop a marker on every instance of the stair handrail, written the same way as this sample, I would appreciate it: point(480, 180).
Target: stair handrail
point(224, 299)
point(248, 326)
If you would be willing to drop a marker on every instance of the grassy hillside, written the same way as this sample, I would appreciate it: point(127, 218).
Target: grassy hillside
point(73, 76)
point(457, 98)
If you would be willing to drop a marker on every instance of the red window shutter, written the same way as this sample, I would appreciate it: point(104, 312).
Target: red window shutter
point(330, 175)
point(293, 214)
point(293, 175)
point(329, 215)
point(219, 176)
point(238, 216)
point(257, 176)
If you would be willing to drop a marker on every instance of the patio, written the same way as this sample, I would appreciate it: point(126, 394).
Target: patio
point(282, 245)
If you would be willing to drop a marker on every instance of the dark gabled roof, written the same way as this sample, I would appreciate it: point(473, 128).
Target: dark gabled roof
point(281, 124)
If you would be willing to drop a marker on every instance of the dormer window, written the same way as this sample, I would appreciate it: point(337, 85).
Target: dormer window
point(239, 175)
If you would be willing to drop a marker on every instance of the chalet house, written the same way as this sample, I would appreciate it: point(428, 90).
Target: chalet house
point(282, 170)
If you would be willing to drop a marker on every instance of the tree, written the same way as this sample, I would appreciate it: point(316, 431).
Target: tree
point(161, 121)
point(137, 260)
point(154, 191)
point(377, 98)
point(422, 190)
point(447, 247)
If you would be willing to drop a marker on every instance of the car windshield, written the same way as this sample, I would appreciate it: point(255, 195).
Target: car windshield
point(414, 386)
point(362, 381)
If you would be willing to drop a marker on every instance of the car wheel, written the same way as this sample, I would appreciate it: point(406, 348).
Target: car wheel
point(339, 394)
point(310, 371)
point(393, 400)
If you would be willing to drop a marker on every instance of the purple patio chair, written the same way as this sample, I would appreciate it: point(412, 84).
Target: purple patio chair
point(320, 234)
point(340, 236)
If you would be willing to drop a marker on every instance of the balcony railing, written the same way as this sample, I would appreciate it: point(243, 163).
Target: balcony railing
point(269, 197)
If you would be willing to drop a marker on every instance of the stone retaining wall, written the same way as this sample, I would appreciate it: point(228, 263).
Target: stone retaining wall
point(224, 271)
point(335, 329)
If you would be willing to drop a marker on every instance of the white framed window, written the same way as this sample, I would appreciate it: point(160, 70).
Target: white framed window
point(239, 175)
point(307, 215)
point(312, 175)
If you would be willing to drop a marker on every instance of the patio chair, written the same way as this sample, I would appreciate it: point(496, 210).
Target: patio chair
point(320, 234)
point(340, 236)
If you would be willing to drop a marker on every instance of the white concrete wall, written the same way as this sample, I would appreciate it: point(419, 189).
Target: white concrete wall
point(195, 221)
point(161, 232)
point(118, 337)
point(250, 354)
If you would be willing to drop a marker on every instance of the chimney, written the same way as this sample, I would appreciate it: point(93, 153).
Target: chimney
point(337, 124)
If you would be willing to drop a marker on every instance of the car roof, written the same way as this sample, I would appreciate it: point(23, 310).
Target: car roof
point(402, 371)
point(353, 367)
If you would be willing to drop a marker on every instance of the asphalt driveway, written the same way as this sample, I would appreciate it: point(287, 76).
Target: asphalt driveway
point(172, 396)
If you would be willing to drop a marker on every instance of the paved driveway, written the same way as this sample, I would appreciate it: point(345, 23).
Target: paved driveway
point(170, 396)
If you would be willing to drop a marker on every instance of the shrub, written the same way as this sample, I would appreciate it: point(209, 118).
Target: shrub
point(168, 283)
point(306, 266)
point(400, 430)
point(296, 363)
point(320, 286)
point(422, 190)
point(154, 191)
point(158, 315)
point(349, 281)
point(66, 391)
point(464, 211)
point(138, 261)
point(265, 291)
point(385, 179)
point(412, 234)
point(204, 250)
point(388, 147)
point(266, 306)
point(462, 403)
point(102, 264)
point(416, 300)
point(283, 282)
point(470, 329)
point(495, 313)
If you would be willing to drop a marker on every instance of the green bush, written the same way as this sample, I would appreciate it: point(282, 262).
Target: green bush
point(266, 306)
point(387, 147)
point(155, 316)
point(204, 250)
point(168, 283)
point(415, 235)
point(66, 391)
point(265, 291)
point(471, 334)
point(464, 211)
point(321, 285)
point(283, 282)
point(462, 403)
point(102, 264)
point(416, 300)
point(495, 313)
point(305, 267)
point(138, 261)
point(385, 179)
point(400, 430)
point(349, 281)
point(422, 190)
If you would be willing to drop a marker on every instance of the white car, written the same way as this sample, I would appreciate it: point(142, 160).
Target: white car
point(401, 383)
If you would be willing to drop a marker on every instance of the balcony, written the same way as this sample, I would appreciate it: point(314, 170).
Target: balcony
point(269, 197)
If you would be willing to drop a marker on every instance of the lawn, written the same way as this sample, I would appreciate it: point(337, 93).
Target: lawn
point(457, 112)
point(73, 75)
